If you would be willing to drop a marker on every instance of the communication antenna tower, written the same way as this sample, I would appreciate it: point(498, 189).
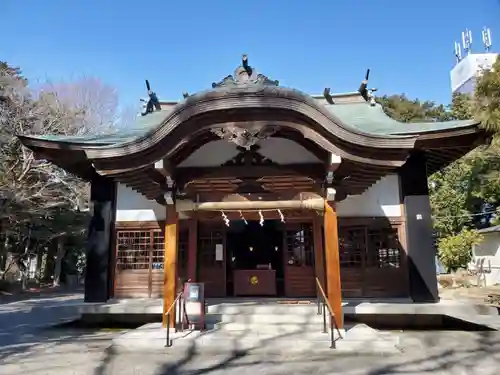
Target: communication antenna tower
point(486, 39)
point(467, 40)
point(458, 52)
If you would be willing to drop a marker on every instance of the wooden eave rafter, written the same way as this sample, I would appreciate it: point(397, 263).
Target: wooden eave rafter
point(147, 181)
point(444, 147)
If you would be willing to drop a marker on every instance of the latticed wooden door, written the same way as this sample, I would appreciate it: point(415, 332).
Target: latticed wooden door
point(386, 266)
point(299, 260)
point(140, 262)
point(134, 262)
point(210, 270)
point(373, 261)
point(352, 257)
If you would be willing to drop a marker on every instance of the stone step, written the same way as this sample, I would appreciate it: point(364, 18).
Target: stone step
point(253, 308)
point(288, 318)
point(270, 328)
point(151, 338)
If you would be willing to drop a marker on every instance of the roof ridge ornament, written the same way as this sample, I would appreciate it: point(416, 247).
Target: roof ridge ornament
point(245, 75)
point(152, 104)
point(366, 93)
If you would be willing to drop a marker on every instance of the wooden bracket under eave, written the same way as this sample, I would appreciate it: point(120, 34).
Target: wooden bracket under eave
point(166, 170)
point(333, 165)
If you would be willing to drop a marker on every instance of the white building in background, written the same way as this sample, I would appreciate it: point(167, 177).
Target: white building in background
point(468, 68)
point(465, 74)
point(488, 252)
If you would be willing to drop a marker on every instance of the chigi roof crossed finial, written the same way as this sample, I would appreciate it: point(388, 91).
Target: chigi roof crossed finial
point(245, 75)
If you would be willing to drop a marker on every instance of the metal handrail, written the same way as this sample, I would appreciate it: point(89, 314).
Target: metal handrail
point(323, 306)
point(178, 298)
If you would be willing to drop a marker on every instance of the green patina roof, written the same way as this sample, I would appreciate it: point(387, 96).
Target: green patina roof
point(358, 115)
point(140, 126)
point(372, 119)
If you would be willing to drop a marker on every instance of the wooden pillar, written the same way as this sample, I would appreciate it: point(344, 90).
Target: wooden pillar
point(99, 274)
point(332, 262)
point(319, 258)
point(170, 263)
point(420, 246)
point(192, 248)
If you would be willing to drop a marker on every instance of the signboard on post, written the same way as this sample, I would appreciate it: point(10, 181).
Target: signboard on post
point(194, 297)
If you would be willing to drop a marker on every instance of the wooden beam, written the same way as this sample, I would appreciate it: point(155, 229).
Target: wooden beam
point(164, 168)
point(170, 263)
point(311, 204)
point(192, 248)
point(332, 262)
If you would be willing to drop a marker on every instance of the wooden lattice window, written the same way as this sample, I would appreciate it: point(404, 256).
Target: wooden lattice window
point(352, 247)
point(158, 250)
point(133, 250)
point(183, 249)
point(208, 238)
point(384, 249)
point(299, 245)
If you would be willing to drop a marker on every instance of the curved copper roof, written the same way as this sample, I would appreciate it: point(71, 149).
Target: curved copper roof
point(352, 128)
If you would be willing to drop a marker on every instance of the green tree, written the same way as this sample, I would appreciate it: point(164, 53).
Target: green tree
point(455, 250)
point(487, 98)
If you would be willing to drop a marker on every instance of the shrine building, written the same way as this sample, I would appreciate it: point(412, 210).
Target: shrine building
point(261, 190)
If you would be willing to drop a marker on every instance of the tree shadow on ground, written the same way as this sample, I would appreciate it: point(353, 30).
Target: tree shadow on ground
point(479, 355)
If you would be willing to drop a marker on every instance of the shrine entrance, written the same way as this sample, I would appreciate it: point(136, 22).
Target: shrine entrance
point(255, 261)
point(273, 257)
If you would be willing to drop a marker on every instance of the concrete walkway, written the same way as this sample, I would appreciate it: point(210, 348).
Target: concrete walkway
point(27, 348)
point(19, 319)
point(428, 353)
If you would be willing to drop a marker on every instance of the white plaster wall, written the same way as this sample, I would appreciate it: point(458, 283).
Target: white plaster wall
point(381, 199)
point(279, 150)
point(132, 206)
point(489, 249)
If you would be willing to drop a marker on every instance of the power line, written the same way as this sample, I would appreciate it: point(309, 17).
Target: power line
point(467, 215)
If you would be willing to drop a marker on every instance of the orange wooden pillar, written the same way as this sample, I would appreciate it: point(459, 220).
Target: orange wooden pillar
point(332, 262)
point(170, 263)
point(192, 249)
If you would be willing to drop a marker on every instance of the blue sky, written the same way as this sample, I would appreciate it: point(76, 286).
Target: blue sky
point(186, 45)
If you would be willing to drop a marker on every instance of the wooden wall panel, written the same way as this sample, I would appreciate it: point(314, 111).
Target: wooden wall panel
point(300, 282)
point(132, 283)
point(352, 282)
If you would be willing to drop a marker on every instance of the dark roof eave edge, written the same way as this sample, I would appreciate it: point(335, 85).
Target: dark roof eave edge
point(34, 141)
point(445, 131)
